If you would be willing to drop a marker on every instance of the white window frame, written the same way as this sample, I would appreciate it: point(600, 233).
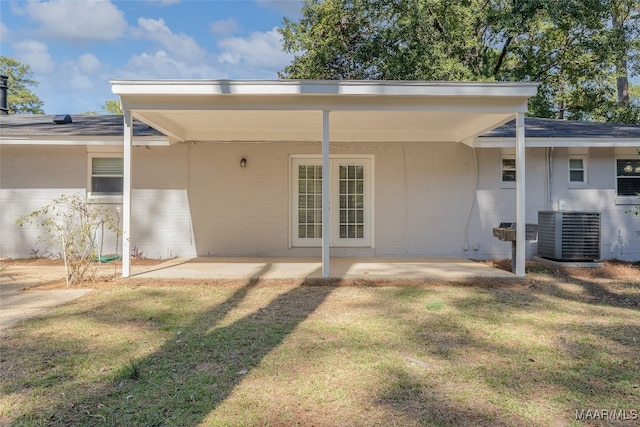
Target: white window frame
point(101, 198)
point(585, 179)
point(336, 161)
point(503, 183)
point(626, 199)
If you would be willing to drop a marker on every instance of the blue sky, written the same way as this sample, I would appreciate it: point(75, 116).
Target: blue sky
point(75, 46)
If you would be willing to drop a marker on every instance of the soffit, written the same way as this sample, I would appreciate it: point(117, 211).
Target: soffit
point(227, 111)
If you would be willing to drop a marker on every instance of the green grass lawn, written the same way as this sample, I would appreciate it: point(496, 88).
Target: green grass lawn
point(273, 353)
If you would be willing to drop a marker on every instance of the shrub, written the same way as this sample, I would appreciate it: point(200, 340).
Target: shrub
point(73, 223)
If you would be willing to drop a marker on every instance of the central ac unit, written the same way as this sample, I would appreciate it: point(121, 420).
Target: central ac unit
point(569, 236)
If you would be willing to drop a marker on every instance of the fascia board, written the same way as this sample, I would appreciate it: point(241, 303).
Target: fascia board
point(556, 142)
point(322, 87)
point(155, 141)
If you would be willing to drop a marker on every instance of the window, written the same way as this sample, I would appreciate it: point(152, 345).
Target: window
point(628, 177)
point(105, 175)
point(309, 201)
point(508, 169)
point(577, 170)
point(351, 201)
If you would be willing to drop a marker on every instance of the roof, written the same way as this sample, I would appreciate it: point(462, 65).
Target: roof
point(20, 125)
point(562, 133)
point(553, 128)
point(289, 110)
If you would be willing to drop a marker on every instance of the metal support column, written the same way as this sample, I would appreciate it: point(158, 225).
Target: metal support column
point(126, 195)
point(326, 199)
point(521, 200)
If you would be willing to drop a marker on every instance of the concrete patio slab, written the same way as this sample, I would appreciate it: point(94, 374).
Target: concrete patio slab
point(347, 268)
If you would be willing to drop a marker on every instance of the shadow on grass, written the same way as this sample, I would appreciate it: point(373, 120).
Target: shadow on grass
point(496, 355)
point(195, 370)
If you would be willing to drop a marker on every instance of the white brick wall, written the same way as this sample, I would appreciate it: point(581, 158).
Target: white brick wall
point(195, 199)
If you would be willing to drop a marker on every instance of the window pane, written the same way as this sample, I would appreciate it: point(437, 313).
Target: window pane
point(104, 186)
point(576, 176)
point(508, 176)
point(508, 164)
point(628, 186)
point(628, 167)
point(302, 231)
point(101, 166)
point(575, 164)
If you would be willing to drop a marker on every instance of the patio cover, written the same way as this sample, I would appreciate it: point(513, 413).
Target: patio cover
point(323, 111)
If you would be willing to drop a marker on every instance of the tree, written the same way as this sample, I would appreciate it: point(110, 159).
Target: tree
point(568, 46)
point(19, 97)
point(112, 106)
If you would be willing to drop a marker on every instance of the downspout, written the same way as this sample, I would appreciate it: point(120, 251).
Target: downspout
point(4, 97)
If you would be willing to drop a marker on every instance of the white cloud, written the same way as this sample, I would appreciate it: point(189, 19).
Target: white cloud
point(225, 26)
point(180, 45)
point(162, 65)
point(77, 21)
point(88, 63)
point(35, 54)
point(259, 50)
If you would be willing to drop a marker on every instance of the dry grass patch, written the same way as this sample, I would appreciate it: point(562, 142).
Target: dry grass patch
point(234, 353)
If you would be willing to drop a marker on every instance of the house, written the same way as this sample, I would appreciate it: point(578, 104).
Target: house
point(260, 168)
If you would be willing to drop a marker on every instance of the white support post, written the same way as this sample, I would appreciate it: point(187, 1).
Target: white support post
point(126, 195)
point(521, 200)
point(326, 199)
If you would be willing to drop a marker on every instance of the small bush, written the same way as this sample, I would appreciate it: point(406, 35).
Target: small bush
point(73, 224)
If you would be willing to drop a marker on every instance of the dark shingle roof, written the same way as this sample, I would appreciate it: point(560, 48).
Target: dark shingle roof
point(550, 128)
point(40, 125)
point(21, 125)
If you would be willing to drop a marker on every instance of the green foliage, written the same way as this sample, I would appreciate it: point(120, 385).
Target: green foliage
point(112, 106)
point(19, 97)
point(580, 51)
point(74, 224)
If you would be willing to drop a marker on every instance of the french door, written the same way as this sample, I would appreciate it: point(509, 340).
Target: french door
point(351, 201)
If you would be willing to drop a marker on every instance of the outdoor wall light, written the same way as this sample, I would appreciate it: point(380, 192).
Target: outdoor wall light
point(243, 163)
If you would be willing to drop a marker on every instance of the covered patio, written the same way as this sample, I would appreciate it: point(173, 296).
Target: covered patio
point(326, 113)
point(412, 269)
